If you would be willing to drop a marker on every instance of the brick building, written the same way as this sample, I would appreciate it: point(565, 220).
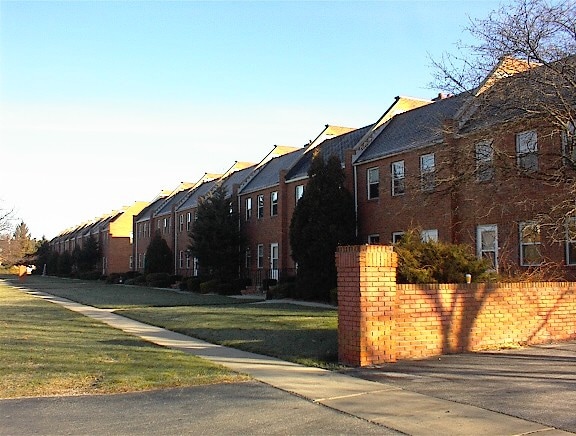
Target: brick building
point(113, 232)
point(473, 168)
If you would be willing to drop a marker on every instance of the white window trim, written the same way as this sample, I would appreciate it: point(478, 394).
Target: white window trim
point(429, 235)
point(523, 244)
point(274, 203)
point(427, 172)
point(396, 179)
point(526, 145)
point(479, 249)
point(260, 256)
point(248, 205)
point(484, 160)
point(260, 206)
point(373, 239)
point(396, 236)
point(298, 192)
point(371, 183)
point(569, 239)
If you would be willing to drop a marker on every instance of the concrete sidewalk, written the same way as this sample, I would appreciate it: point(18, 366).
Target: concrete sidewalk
point(382, 403)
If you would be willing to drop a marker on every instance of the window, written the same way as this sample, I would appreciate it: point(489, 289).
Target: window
point(396, 237)
point(260, 206)
point(527, 150)
point(427, 172)
point(429, 235)
point(139, 260)
point(484, 156)
point(260, 259)
point(187, 259)
point(274, 203)
point(571, 241)
point(166, 225)
point(248, 258)
point(188, 221)
point(569, 144)
point(181, 259)
point(398, 185)
point(274, 253)
point(146, 229)
point(530, 244)
point(131, 262)
point(299, 192)
point(374, 239)
point(181, 223)
point(487, 244)
point(248, 208)
point(373, 179)
point(195, 267)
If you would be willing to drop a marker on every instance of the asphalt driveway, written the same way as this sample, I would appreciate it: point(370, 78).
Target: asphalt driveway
point(249, 408)
point(536, 383)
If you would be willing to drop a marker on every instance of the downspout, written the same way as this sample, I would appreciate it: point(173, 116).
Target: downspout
point(356, 196)
point(176, 252)
point(135, 248)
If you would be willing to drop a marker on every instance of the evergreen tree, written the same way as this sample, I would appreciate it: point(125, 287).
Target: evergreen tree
point(215, 237)
point(18, 248)
point(90, 255)
point(323, 219)
point(436, 262)
point(158, 256)
point(43, 254)
point(53, 261)
point(64, 267)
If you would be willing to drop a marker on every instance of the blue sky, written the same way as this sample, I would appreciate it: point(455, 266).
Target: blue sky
point(103, 103)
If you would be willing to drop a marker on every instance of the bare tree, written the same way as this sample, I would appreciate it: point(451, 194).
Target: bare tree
point(521, 72)
point(6, 217)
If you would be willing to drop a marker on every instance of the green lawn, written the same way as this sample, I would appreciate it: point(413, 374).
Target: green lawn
point(48, 350)
point(295, 333)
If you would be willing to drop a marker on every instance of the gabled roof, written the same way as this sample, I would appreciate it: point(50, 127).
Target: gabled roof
point(166, 207)
point(412, 129)
point(331, 147)
point(269, 174)
point(191, 199)
point(235, 178)
point(278, 150)
point(145, 213)
point(401, 104)
point(538, 91)
point(172, 198)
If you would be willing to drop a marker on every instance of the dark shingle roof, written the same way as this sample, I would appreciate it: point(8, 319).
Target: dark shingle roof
point(412, 129)
point(236, 178)
point(194, 196)
point(331, 147)
point(269, 175)
point(144, 214)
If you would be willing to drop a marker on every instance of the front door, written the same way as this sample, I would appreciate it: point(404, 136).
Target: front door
point(487, 244)
point(274, 261)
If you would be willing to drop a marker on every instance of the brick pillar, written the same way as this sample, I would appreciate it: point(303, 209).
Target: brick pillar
point(366, 300)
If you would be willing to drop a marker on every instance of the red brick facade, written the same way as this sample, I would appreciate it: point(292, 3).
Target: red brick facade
point(380, 321)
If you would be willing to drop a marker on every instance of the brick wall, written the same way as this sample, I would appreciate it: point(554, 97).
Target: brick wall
point(419, 321)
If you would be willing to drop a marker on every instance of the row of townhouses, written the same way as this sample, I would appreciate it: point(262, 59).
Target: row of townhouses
point(456, 169)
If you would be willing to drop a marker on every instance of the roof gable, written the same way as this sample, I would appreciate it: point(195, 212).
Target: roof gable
point(331, 147)
point(269, 174)
point(412, 129)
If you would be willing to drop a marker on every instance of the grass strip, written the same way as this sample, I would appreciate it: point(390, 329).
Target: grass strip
point(305, 335)
point(298, 334)
point(46, 350)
